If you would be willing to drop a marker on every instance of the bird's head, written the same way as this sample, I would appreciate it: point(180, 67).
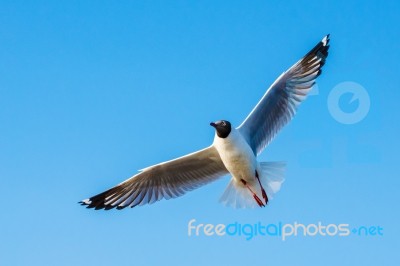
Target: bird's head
point(222, 128)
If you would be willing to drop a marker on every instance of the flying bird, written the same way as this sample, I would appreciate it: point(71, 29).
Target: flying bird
point(234, 150)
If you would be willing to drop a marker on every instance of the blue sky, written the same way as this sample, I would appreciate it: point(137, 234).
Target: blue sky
point(92, 91)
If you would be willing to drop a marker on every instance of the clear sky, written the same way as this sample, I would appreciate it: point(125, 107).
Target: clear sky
point(92, 91)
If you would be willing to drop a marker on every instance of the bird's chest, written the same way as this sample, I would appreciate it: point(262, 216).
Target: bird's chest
point(237, 156)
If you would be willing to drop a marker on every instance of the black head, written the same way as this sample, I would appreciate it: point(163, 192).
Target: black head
point(222, 127)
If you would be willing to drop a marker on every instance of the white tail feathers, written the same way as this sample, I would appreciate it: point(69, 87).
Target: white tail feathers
point(271, 176)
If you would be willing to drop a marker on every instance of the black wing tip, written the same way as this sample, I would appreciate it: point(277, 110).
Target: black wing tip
point(326, 39)
point(84, 202)
point(320, 51)
point(95, 203)
point(97, 207)
point(98, 202)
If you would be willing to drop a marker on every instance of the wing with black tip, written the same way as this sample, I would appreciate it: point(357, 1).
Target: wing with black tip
point(279, 104)
point(162, 181)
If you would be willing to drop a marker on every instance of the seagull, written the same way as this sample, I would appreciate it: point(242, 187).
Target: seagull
point(234, 151)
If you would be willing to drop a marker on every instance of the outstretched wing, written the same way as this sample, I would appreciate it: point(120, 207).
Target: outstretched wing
point(279, 104)
point(165, 180)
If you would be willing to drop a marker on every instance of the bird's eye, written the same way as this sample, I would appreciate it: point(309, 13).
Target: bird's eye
point(223, 123)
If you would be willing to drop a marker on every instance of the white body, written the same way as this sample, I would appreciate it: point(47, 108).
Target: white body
point(240, 161)
point(237, 156)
